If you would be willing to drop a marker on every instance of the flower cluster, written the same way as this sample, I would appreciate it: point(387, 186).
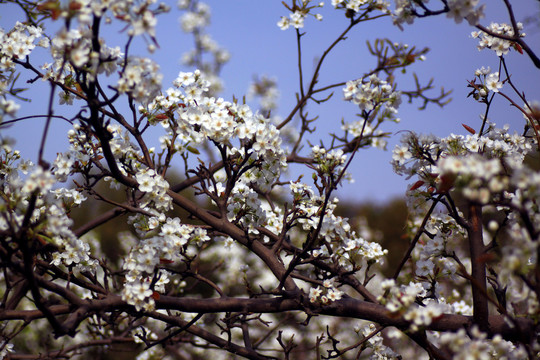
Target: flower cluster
point(488, 82)
point(155, 189)
point(404, 12)
point(407, 10)
point(477, 345)
point(196, 19)
point(251, 142)
point(18, 43)
point(298, 15)
point(140, 79)
point(139, 16)
point(72, 49)
point(481, 177)
point(375, 342)
point(402, 299)
point(15, 44)
point(48, 219)
point(344, 245)
point(445, 237)
point(166, 241)
point(328, 162)
point(7, 106)
point(74, 43)
point(423, 155)
point(325, 294)
point(356, 5)
point(500, 46)
point(378, 102)
point(244, 207)
point(465, 9)
point(83, 148)
point(250, 139)
point(296, 20)
point(372, 94)
point(488, 170)
point(363, 129)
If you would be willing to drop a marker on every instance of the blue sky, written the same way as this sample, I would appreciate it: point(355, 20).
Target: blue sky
point(247, 28)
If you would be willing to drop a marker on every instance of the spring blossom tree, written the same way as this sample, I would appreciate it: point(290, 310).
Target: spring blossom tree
point(233, 257)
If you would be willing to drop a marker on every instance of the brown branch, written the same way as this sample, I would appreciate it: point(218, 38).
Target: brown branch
point(208, 336)
point(100, 220)
point(18, 291)
point(195, 179)
point(30, 315)
point(478, 271)
point(63, 353)
point(434, 352)
point(346, 307)
point(309, 92)
point(58, 273)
